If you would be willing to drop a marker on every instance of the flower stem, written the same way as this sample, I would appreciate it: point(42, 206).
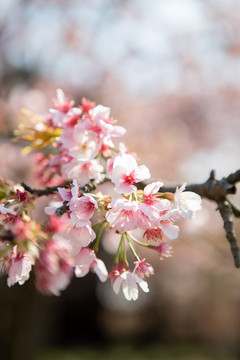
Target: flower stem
point(97, 241)
point(116, 260)
point(132, 247)
point(138, 242)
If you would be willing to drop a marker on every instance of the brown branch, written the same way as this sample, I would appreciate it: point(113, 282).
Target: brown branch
point(235, 210)
point(62, 209)
point(51, 190)
point(84, 189)
point(212, 189)
point(234, 178)
point(218, 190)
point(47, 191)
point(226, 212)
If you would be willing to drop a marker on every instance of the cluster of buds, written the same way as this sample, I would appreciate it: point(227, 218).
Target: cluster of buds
point(78, 151)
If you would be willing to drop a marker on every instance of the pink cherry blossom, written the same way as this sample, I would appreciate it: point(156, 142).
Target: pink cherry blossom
point(82, 209)
point(65, 119)
point(152, 205)
point(71, 118)
point(79, 237)
point(85, 261)
point(166, 223)
point(163, 249)
point(84, 145)
point(83, 173)
point(20, 267)
point(187, 202)
point(101, 114)
point(65, 193)
point(86, 105)
point(82, 261)
point(122, 150)
point(153, 234)
point(129, 280)
point(126, 172)
point(145, 222)
point(63, 106)
point(169, 230)
point(143, 269)
point(124, 215)
point(53, 270)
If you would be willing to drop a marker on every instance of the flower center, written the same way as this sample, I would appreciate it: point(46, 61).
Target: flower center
point(129, 179)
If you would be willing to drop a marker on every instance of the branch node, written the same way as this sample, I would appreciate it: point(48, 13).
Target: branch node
point(212, 175)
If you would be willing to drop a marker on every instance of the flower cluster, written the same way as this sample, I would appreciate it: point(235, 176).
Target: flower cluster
point(79, 154)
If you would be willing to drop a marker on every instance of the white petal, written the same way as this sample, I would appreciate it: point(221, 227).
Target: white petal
point(118, 131)
point(100, 270)
point(81, 270)
point(142, 283)
point(130, 291)
point(169, 230)
point(152, 188)
point(142, 173)
point(65, 194)
point(117, 284)
point(127, 161)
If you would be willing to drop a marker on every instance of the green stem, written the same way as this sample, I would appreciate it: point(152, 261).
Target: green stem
point(132, 247)
point(97, 241)
point(116, 260)
point(98, 224)
point(125, 254)
point(138, 242)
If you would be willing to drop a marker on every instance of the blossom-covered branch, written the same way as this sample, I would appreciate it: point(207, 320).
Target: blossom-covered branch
point(212, 189)
point(78, 153)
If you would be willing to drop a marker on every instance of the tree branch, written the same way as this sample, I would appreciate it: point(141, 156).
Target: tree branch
point(51, 190)
point(218, 190)
point(211, 189)
point(47, 191)
point(226, 212)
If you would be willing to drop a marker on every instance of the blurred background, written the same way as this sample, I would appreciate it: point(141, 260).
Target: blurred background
point(169, 70)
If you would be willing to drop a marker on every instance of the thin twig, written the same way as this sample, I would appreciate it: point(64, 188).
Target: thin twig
point(47, 191)
point(52, 189)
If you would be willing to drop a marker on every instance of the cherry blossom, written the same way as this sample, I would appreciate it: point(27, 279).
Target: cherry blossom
point(82, 145)
point(79, 237)
point(83, 261)
point(82, 209)
point(143, 269)
point(187, 202)
point(152, 205)
point(53, 270)
point(126, 172)
point(83, 173)
point(20, 267)
point(79, 153)
point(124, 215)
point(129, 281)
point(163, 249)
